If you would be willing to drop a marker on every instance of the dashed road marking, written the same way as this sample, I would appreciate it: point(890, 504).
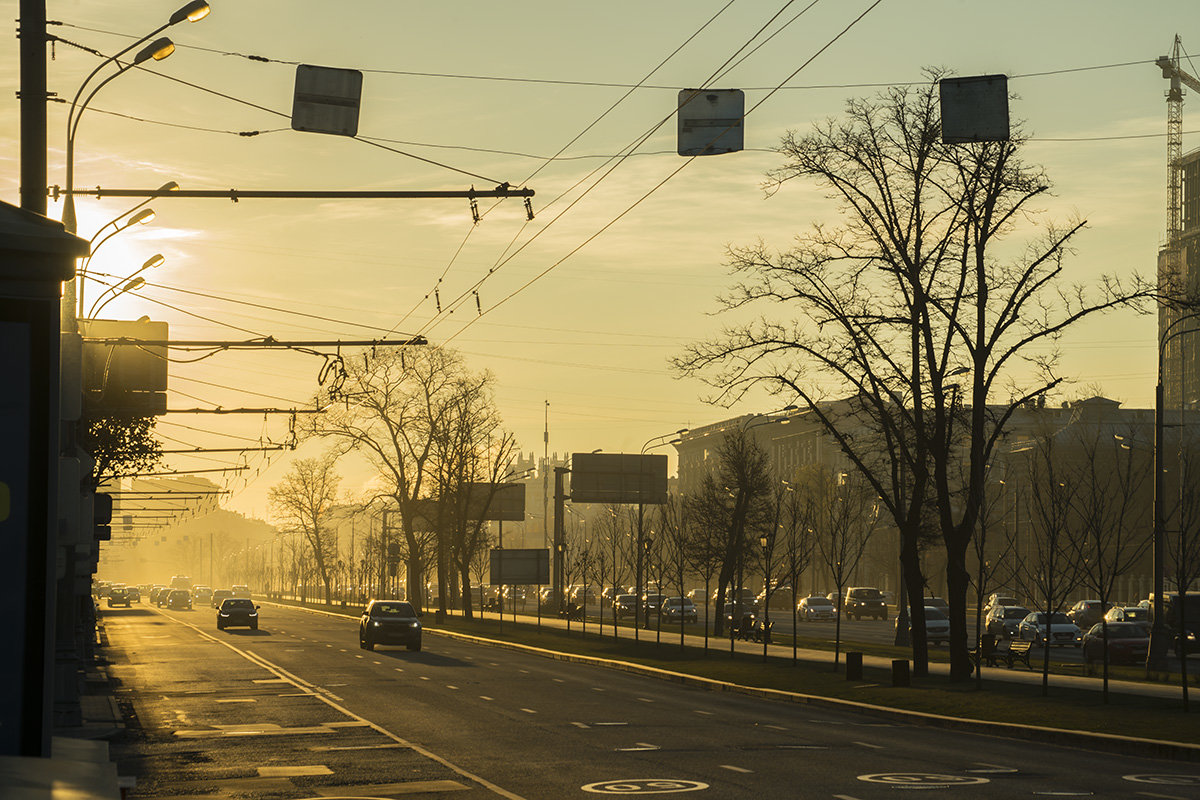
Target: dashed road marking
point(424, 678)
point(559, 680)
point(376, 662)
point(528, 710)
point(398, 669)
point(645, 700)
point(485, 697)
point(295, 771)
point(610, 723)
point(239, 700)
point(870, 745)
point(639, 747)
point(451, 686)
point(583, 725)
point(775, 727)
point(705, 713)
point(732, 768)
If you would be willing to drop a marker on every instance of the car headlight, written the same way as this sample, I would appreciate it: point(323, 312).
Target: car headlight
point(414, 624)
point(253, 614)
point(375, 623)
point(223, 614)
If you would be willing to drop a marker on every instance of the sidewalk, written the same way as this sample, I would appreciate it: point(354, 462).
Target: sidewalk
point(80, 765)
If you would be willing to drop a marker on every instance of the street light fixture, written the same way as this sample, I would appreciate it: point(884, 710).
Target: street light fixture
point(127, 284)
point(637, 605)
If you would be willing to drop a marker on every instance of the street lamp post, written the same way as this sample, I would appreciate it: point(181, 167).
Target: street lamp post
point(1156, 657)
point(129, 283)
point(650, 444)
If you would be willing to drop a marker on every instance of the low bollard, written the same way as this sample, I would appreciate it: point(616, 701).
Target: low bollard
point(900, 675)
point(854, 666)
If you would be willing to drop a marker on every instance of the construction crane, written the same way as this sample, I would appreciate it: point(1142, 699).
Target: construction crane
point(1172, 71)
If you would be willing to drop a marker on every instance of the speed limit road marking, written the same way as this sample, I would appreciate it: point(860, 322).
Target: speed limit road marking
point(922, 780)
point(644, 786)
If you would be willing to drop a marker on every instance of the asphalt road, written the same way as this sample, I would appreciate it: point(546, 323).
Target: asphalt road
point(297, 710)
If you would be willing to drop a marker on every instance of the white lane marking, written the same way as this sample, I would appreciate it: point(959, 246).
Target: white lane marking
point(485, 697)
point(397, 669)
point(583, 725)
point(239, 700)
point(1161, 796)
point(329, 645)
point(639, 747)
point(424, 678)
point(523, 671)
point(451, 686)
point(868, 744)
point(610, 723)
point(645, 700)
point(597, 689)
point(528, 710)
point(340, 649)
point(991, 769)
point(376, 662)
point(268, 680)
point(294, 771)
point(775, 727)
point(705, 713)
point(300, 683)
point(360, 656)
point(559, 680)
point(732, 768)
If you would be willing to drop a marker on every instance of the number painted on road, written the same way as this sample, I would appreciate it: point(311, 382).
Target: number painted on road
point(644, 786)
point(922, 780)
point(1166, 780)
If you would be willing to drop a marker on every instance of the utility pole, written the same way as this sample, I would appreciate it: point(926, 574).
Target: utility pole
point(33, 105)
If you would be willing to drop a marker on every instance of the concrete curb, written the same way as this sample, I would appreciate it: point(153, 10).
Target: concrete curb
point(1106, 742)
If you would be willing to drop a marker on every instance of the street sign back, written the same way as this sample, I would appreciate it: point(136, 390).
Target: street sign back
point(618, 478)
point(974, 109)
point(326, 100)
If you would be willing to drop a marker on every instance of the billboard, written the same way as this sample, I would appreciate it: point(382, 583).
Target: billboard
point(496, 501)
point(520, 567)
point(618, 478)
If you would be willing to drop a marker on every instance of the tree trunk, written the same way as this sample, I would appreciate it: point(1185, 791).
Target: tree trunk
point(958, 581)
point(914, 584)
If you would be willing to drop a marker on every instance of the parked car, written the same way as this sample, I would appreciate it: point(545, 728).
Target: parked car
point(1127, 643)
point(237, 611)
point(389, 622)
point(676, 608)
point(1004, 622)
point(179, 599)
point(625, 605)
point(1000, 599)
point(218, 595)
point(864, 601)
point(1062, 630)
point(937, 626)
point(1086, 613)
point(1134, 614)
point(815, 608)
point(119, 596)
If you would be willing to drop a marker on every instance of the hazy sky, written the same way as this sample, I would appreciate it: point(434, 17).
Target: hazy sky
point(592, 335)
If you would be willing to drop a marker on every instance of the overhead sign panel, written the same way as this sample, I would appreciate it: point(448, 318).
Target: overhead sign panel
point(326, 100)
point(496, 501)
point(710, 121)
point(974, 109)
point(520, 567)
point(618, 478)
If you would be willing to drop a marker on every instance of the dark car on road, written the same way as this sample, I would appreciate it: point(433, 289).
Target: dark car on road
point(119, 596)
point(864, 601)
point(179, 599)
point(237, 611)
point(1127, 643)
point(389, 622)
point(219, 596)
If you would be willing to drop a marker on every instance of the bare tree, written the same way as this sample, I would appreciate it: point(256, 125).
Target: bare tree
point(796, 543)
point(303, 501)
point(844, 513)
point(1182, 555)
point(917, 284)
point(677, 541)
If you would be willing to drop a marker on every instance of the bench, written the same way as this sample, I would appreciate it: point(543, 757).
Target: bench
point(1017, 651)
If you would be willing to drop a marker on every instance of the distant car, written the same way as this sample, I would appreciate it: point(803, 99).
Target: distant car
point(814, 609)
point(937, 602)
point(1062, 630)
point(180, 582)
point(863, 601)
point(164, 594)
point(675, 609)
point(937, 626)
point(1000, 599)
point(237, 611)
point(155, 591)
point(1086, 613)
point(1127, 643)
point(202, 594)
point(744, 613)
point(1134, 614)
point(218, 595)
point(781, 598)
point(389, 622)
point(134, 593)
point(240, 590)
point(835, 598)
point(1004, 622)
point(625, 605)
point(651, 603)
point(179, 599)
point(119, 596)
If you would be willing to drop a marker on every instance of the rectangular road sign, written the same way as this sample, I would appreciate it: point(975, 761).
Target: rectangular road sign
point(618, 478)
point(496, 501)
point(520, 567)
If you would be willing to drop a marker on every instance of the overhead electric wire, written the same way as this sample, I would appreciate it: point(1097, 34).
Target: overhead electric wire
point(716, 74)
point(661, 183)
